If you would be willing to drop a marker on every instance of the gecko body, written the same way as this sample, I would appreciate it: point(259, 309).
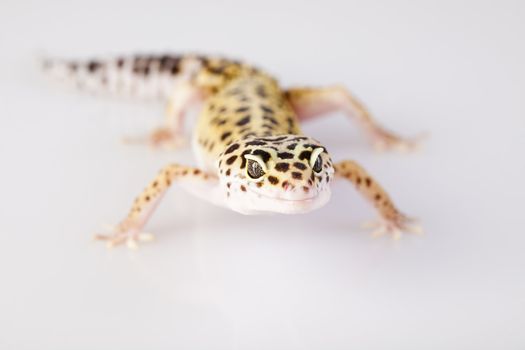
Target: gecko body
point(252, 155)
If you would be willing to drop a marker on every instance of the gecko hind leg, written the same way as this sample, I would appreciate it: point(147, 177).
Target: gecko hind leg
point(130, 230)
point(170, 135)
point(311, 103)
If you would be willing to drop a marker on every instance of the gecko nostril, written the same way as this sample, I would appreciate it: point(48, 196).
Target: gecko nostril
point(287, 186)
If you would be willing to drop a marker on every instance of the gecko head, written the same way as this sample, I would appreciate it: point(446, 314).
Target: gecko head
point(281, 174)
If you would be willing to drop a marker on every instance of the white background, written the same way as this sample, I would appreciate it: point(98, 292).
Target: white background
point(214, 279)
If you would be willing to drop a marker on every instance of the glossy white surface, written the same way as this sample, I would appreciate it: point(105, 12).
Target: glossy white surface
point(218, 280)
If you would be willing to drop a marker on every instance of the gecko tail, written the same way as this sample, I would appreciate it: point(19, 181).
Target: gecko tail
point(137, 76)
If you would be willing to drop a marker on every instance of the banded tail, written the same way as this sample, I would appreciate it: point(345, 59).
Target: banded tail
point(144, 76)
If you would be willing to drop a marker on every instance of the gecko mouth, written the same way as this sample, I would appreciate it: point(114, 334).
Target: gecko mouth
point(253, 202)
point(287, 200)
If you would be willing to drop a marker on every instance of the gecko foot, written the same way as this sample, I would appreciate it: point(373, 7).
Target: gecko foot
point(160, 138)
point(394, 227)
point(126, 232)
point(384, 140)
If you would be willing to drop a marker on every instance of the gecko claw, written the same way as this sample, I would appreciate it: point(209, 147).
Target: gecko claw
point(395, 227)
point(127, 232)
point(385, 141)
point(160, 138)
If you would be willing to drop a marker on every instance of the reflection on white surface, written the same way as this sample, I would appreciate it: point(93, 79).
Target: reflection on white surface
point(214, 279)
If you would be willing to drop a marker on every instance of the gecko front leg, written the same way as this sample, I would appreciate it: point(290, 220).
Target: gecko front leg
point(310, 103)
point(195, 180)
point(391, 219)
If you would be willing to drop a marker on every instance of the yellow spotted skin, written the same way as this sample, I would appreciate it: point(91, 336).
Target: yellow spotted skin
point(249, 106)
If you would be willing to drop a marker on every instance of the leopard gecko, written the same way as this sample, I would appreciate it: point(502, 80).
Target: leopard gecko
point(251, 153)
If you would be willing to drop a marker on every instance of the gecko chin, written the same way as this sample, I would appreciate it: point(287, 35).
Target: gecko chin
point(254, 203)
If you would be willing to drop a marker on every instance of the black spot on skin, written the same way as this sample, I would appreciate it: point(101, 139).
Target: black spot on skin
point(221, 122)
point(222, 109)
point(275, 139)
point(273, 180)
point(264, 155)
point(327, 178)
point(358, 181)
point(232, 148)
point(377, 197)
point(243, 121)
point(255, 143)
point(297, 175)
point(230, 160)
point(285, 184)
point(267, 109)
point(270, 119)
point(306, 189)
point(225, 135)
point(299, 166)
point(196, 172)
point(169, 64)
point(174, 70)
point(267, 126)
point(368, 182)
point(282, 167)
point(228, 172)
point(290, 121)
point(242, 109)
point(228, 185)
point(305, 155)
point(250, 134)
point(259, 184)
point(211, 146)
point(292, 146)
point(299, 138)
point(261, 91)
point(243, 188)
point(216, 70)
point(120, 62)
point(211, 107)
point(93, 66)
point(285, 155)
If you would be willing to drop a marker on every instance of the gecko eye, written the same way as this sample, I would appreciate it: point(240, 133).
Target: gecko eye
point(254, 169)
point(315, 161)
point(318, 165)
